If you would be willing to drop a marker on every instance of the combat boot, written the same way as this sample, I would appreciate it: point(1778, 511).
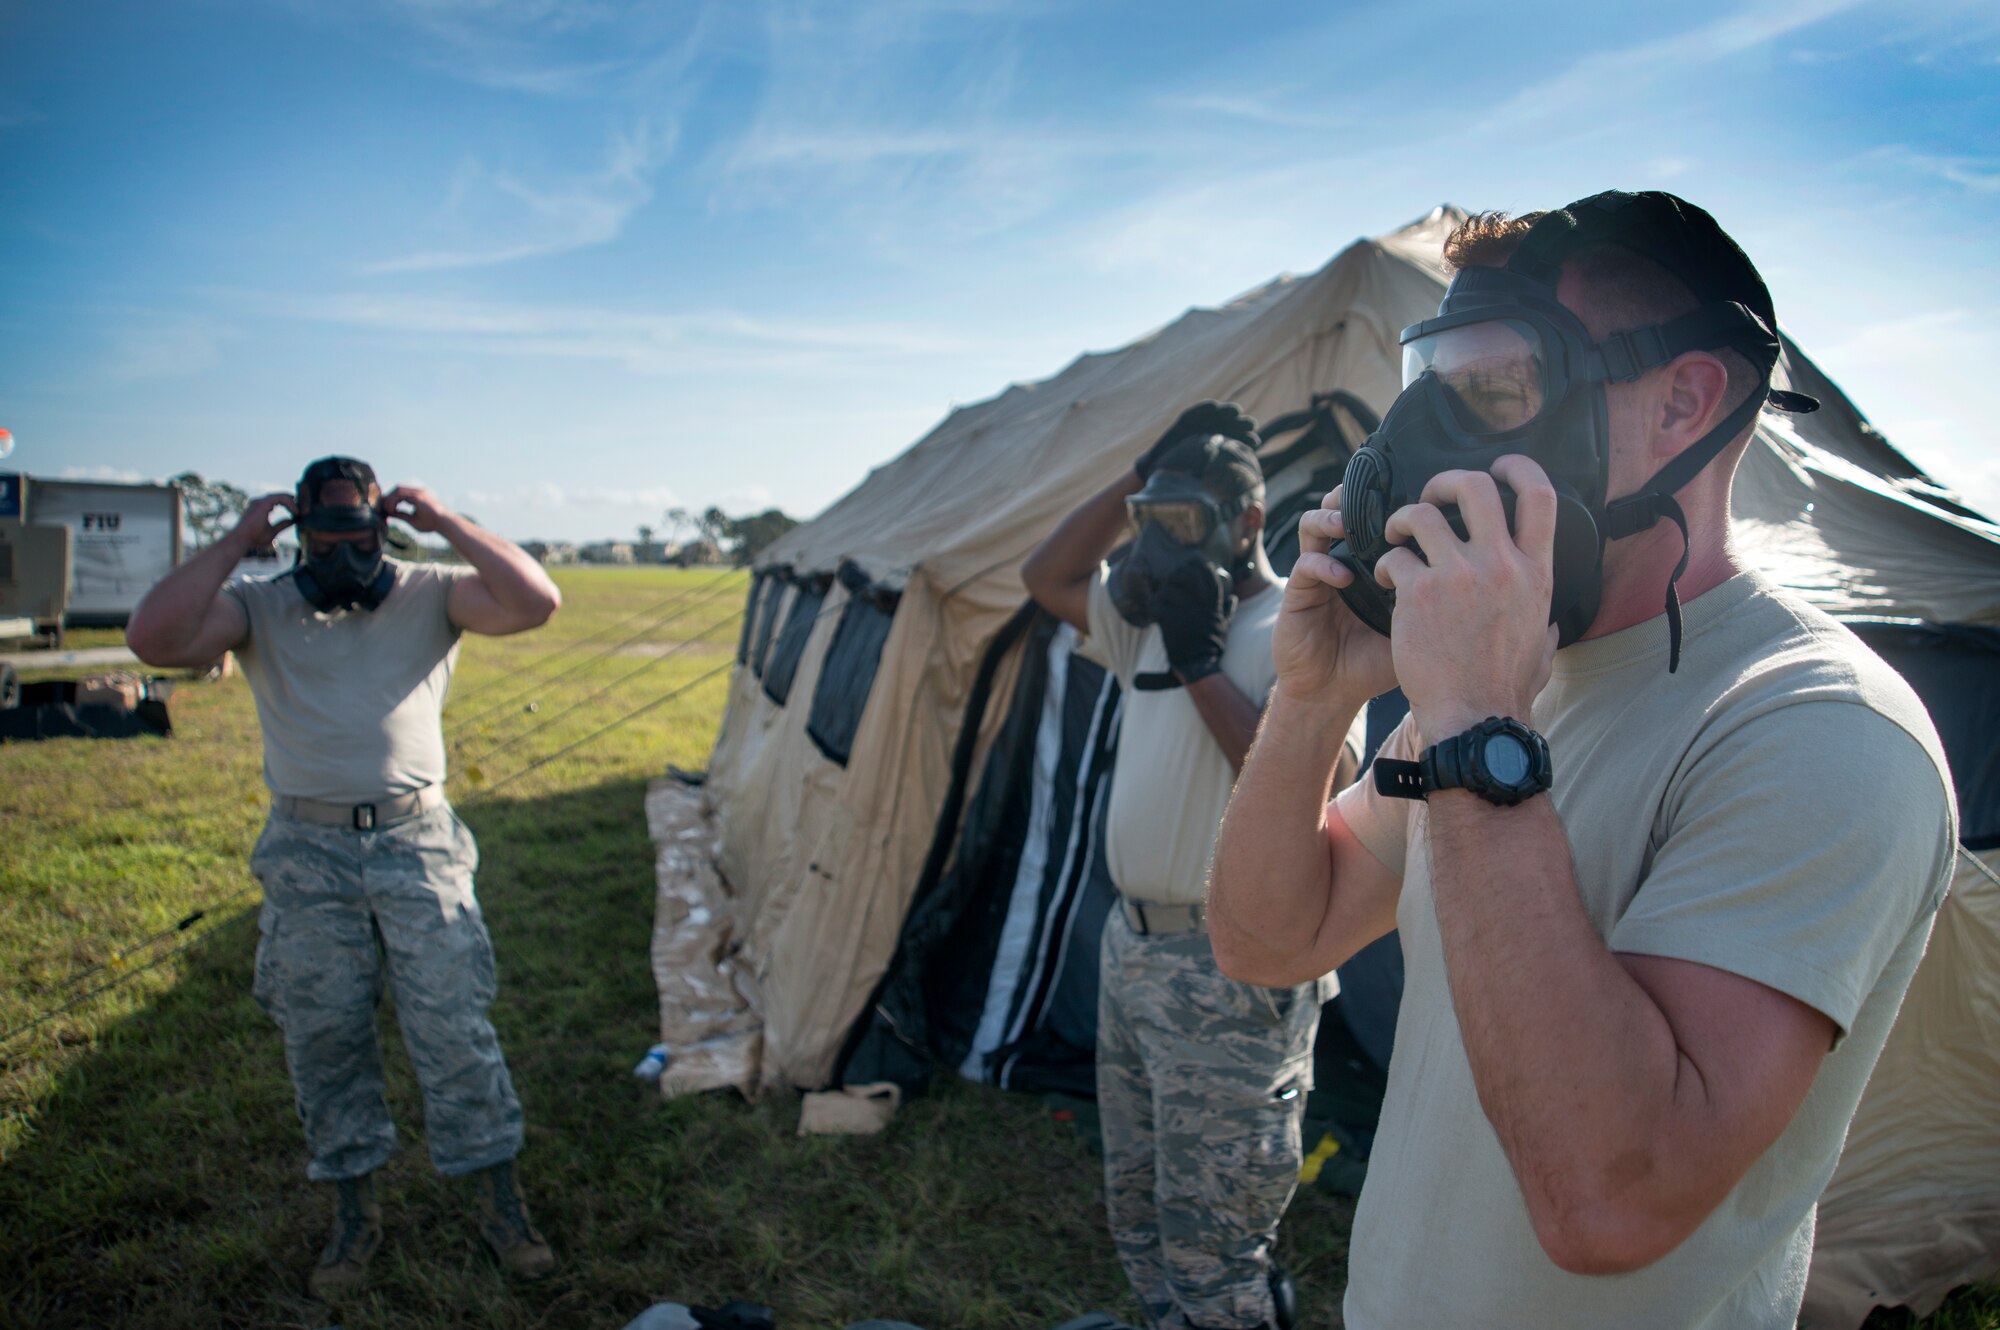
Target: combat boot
point(504, 1223)
point(356, 1236)
point(1284, 1298)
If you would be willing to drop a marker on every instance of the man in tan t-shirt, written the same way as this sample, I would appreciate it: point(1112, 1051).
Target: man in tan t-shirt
point(1201, 1080)
point(1660, 888)
point(367, 871)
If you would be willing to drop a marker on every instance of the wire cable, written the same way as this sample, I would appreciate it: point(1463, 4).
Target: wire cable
point(460, 727)
point(499, 681)
point(124, 977)
point(586, 700)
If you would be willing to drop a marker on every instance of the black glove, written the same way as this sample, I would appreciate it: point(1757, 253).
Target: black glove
point(1203, 418)
point(1193, 607)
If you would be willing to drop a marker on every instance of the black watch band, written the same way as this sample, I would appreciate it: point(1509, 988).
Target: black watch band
point(1500, 760)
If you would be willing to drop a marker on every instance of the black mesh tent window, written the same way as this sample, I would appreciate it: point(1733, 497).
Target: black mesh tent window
point(750, 618)
point(847, 675)
point(790, 647)
point(775, 582)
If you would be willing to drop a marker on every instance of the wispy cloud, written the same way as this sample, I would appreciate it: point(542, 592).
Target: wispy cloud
point(1608, 78)
point(1279, 114)
point(147, 345)
point(506, 219)
point(644, 342)
point(1979, 175)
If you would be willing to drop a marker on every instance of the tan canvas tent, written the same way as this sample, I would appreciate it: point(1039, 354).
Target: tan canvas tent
point(884, 637)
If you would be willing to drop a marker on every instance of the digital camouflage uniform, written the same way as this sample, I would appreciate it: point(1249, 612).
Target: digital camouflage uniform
point(1201, 1082)
point(350, 704)
point(337, 904)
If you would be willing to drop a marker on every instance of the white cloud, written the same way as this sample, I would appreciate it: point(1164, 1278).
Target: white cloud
point(116, 474)
point(497, 217)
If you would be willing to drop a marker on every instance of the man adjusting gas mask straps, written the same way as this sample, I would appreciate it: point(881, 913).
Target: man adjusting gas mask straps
point(348, 574)
point(1185, 558)
point(1506, 368)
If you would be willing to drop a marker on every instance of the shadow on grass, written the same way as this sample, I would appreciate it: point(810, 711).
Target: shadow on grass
point(162, 1181)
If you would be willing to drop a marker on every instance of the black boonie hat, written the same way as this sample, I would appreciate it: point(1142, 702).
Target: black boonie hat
point(317, 516)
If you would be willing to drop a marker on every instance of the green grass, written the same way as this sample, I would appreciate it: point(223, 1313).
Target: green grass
point(151, 1166)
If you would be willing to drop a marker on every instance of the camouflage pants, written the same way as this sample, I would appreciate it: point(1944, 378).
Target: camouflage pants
point(342, 910)
point(1201, 1084)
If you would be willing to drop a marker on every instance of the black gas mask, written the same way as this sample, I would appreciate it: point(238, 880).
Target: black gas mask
point(1506, 368)
point(348, 574)
point(1177, 519)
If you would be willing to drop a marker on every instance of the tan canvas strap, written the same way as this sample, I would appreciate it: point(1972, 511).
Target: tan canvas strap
point(362, 817)
point(1150, 917)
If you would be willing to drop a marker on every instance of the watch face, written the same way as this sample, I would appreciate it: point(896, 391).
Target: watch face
point(1507, 759)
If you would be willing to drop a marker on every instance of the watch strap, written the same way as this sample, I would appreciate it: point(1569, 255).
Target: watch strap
point(1397, 779)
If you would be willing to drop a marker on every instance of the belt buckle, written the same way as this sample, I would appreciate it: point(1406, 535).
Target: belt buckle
point(364, 817)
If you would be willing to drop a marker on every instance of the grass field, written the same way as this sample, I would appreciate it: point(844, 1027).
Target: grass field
point(151, 1166)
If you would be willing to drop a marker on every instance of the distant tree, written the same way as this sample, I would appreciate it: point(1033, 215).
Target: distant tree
point(756, 531)
point(739, 539)
point(645, 534)
point(212, 507)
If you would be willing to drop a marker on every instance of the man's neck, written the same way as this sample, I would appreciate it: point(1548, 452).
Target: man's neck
point(1259, 577)
point(1637, 569)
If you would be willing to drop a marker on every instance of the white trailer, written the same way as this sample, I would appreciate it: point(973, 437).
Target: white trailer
point(123, 538)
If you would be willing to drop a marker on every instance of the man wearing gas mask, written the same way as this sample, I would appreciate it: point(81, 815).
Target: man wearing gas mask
point(1200, 1079)
point(1663, 843)
point(367, 871)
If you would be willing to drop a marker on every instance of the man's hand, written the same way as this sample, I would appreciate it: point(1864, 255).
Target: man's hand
point(1203, 418)
point(1321, 650)
point(1194, 607)
point(1471, 635)
point(257, 528)
point(418, 507)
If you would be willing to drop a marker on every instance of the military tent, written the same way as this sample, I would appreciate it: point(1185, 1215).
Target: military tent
point(901, 862)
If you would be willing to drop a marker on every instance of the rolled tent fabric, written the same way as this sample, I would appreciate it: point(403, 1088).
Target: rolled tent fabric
point(1913, 1210)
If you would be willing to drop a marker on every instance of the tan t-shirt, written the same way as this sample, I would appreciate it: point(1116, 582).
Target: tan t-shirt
point(1172, 781)
point(350, 701)
point(1780, 809)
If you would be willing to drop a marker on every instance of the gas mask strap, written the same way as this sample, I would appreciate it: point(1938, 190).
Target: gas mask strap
point(1640, 512)
point(1673, 510)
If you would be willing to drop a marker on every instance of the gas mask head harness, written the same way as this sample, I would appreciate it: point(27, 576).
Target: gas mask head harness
point(348, 574)
point(1184, 513)
point(1506, 368)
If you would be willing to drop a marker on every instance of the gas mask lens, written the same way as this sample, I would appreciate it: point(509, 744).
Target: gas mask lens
point(1491, 372)
point(1186, 522)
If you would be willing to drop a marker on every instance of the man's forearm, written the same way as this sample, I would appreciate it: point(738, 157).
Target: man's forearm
point(1576, 1067)
point(1080, 541)
point(1273, 879)
point(510, 573)
point(1231, 717)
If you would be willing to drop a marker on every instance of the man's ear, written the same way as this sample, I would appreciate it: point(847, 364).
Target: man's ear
point(1694, 396)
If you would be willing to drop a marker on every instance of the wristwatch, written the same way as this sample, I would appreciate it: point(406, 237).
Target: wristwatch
point(1499, 759)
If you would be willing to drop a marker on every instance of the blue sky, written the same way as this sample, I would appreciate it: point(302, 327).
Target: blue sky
point(573, 263)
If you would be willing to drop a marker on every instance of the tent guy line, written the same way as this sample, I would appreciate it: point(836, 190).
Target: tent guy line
point(620, 681)
point(495, 684)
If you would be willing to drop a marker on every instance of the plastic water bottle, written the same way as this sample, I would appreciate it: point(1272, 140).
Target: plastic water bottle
point(652, 1065)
